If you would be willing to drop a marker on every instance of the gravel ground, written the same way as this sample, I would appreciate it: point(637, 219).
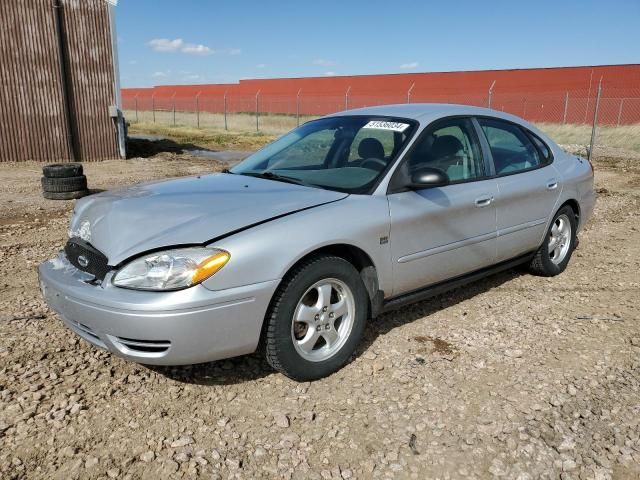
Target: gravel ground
point(513, 377)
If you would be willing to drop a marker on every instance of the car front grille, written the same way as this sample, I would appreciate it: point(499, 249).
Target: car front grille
point(87, 258)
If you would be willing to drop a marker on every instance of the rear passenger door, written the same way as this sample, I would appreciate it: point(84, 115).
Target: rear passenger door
point(528, 186)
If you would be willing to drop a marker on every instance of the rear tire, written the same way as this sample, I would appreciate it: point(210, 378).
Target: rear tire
point(553, 256)
point(316, 319)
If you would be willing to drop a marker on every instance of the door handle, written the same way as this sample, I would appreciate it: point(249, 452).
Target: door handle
point(483, 201)
point(552, 184)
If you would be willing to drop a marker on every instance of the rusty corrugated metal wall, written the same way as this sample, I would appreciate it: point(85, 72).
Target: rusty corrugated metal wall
point(32, 122)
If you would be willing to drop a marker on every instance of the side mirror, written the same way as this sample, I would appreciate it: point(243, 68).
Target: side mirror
point(428, 178)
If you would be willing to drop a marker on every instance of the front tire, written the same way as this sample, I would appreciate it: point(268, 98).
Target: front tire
point(316, 319)
point(553, 256)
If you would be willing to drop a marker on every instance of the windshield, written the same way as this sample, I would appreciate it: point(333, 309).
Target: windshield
point(346, 154)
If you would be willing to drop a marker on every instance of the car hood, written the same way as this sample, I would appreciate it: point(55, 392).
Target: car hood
point(191, 210)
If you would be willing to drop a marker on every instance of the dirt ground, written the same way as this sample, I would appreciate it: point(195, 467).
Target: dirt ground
point(514, 377)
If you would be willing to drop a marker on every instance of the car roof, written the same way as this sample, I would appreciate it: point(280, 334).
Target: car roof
point(424, 111)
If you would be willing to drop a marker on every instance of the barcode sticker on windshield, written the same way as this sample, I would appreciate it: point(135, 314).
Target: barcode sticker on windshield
point(380, 125)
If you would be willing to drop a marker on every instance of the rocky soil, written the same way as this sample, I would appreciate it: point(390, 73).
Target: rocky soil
point(513, 377)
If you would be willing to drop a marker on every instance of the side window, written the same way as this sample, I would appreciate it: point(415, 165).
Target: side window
point(511, 148)
point(450, 146)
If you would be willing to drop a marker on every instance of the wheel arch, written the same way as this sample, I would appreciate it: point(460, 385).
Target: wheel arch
point(575, 206)
point(360, 260)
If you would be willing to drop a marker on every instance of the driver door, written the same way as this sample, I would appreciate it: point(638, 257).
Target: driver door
point(443, 232)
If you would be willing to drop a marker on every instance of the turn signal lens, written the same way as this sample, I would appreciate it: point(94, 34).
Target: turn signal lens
point(210, 266)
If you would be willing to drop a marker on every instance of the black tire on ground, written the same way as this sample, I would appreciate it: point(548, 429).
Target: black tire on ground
point(61, 170)
point(277, 333)
point(65, 195)
point(64, 184)
point(541, 263)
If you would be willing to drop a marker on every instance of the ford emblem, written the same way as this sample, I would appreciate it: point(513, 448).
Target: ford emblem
point(83, 261)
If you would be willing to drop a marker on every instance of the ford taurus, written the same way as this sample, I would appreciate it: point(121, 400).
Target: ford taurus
point(296, 247)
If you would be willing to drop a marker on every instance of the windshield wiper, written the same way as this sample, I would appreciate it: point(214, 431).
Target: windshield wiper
point(280, 178)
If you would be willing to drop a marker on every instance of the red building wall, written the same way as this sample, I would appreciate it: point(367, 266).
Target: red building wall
point(538, 93)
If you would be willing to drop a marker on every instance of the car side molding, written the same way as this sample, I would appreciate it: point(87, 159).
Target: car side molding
point(400, 301)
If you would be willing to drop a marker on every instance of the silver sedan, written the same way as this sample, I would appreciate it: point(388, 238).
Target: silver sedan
point(298, 246)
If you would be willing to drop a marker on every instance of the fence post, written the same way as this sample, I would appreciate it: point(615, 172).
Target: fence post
point(153, 107)
point(224, 99)
point(258, 111)
point(566, 107)
point(346, 98)
point(173, 98)
point(620, 111)
point(595, 121)
point(409, 92)
point(298, 107)
point(136, 98)
point(491, 94)
point(586, 110)
point(198, 110)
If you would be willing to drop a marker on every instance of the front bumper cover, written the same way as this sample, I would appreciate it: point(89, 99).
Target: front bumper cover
point(161, 328)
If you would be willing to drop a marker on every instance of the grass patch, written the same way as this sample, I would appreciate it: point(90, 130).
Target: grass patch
point(205, 138)
point(626, 137)
point(242, 135)
point(269, 124)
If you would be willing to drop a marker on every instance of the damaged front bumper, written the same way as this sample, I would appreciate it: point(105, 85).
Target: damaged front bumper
point(188, 326)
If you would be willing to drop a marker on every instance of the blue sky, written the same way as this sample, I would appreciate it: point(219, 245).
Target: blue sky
point(206, 41)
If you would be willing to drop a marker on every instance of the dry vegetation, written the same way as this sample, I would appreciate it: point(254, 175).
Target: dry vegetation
point(204, 137)
point(626, 137)
point(241, 133)
point(269, 124)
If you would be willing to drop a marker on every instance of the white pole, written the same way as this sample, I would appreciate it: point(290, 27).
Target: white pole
point(257, 111)
point(409, 92)
point(595, 121)
point(346, 98)
point(198, 109)
point(620, 111)
point(491, 93)
point(298, 107)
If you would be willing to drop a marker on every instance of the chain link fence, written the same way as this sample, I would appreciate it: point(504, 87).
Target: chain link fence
point(569, 116)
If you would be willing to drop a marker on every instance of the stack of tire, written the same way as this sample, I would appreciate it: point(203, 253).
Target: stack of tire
point(63, 181)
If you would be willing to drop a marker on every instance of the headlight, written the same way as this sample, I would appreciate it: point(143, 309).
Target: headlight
point(171, 269)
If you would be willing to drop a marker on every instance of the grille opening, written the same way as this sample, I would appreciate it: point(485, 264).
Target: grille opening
point(147, 349)
point(85, 329)
point(145, 346)
point(86, 333)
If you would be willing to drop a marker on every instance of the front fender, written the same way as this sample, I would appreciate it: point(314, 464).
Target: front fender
point(267, 252)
